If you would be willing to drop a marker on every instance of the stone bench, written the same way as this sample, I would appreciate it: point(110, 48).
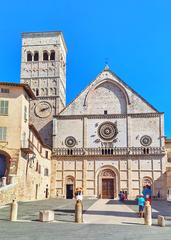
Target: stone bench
point(46, 216)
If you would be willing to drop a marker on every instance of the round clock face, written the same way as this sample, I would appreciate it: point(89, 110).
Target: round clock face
point(43, 109)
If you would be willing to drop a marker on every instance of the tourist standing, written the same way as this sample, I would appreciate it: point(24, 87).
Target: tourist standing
point(141, 203)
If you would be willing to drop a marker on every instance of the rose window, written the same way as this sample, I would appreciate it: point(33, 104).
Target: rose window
point(107, 131)
point(145, 140)
point(70, 141)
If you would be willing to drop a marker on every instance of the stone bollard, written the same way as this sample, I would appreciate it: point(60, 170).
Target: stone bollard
point(14, 211)
point(4, 181)
point(78, 211)
point(147, 214)
point(161, 221)
point(12, 179)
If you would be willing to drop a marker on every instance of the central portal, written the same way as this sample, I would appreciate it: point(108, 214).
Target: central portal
point(108, 188)
point(107, 183)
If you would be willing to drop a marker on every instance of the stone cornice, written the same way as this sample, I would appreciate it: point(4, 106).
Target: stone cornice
point(108, 116)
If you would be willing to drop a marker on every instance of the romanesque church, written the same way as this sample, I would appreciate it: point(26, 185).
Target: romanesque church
point(107, 139)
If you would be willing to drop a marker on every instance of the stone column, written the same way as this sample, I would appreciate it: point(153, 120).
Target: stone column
point(129, 144)
point(84, 176)
point(129, 178)
point(84, 133)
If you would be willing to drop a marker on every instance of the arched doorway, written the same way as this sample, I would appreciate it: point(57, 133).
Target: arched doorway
point(69, 187)
point(3, 165)
point(107, 184)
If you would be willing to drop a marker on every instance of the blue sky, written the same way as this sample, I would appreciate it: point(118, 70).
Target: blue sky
point(134, 36)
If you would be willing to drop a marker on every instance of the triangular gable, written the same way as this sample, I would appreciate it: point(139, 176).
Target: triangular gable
point(78, 105)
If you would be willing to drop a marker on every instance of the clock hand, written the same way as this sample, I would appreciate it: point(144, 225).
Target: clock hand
point(43, 109)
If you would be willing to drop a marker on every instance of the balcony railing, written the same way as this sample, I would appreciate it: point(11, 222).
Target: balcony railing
point(27, 146)
point(121, 151)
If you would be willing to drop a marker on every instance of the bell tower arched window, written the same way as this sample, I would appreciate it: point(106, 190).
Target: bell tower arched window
point(45, 56)
point(29, 57)
point(52, 55)
point(36, 56)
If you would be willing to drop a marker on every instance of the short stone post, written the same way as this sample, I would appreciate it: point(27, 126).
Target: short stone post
point(4, 181)
point(147, 214)
point(12, 179)
point(14, 210)
point(78, 211)
point(161, 221)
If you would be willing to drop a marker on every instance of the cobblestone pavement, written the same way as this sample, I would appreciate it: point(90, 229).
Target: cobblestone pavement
point(65, 229)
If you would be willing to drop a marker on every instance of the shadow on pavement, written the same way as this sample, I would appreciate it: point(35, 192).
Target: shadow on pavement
point(126, 202)
point(131, 223)
point(112, 213)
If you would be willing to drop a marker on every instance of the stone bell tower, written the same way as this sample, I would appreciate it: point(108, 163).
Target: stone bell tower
point(43, 67)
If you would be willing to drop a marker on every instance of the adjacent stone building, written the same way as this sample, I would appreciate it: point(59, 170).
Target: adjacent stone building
point(25, 166)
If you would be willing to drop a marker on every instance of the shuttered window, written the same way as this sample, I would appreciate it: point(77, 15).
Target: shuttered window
point(3, 107)
point(3, 133)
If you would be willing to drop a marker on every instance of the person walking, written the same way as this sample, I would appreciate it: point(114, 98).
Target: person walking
point(141, 203)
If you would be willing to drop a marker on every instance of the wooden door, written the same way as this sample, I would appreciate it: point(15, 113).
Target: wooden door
point(108, 188)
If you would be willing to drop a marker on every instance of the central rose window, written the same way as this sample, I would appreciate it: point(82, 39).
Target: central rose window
point(107, 131)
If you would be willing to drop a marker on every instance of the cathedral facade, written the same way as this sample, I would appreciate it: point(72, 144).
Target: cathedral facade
point(109, 139)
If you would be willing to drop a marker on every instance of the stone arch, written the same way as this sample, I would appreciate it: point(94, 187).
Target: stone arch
point(36, 56)
point(113, 82)
point(55, 91)
point(29, 56)
point(45, 55)
point(52, 55)
point(54, 83)
point(42, 92)
point(107, 95)
point(107, 172)
point(46, 92)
